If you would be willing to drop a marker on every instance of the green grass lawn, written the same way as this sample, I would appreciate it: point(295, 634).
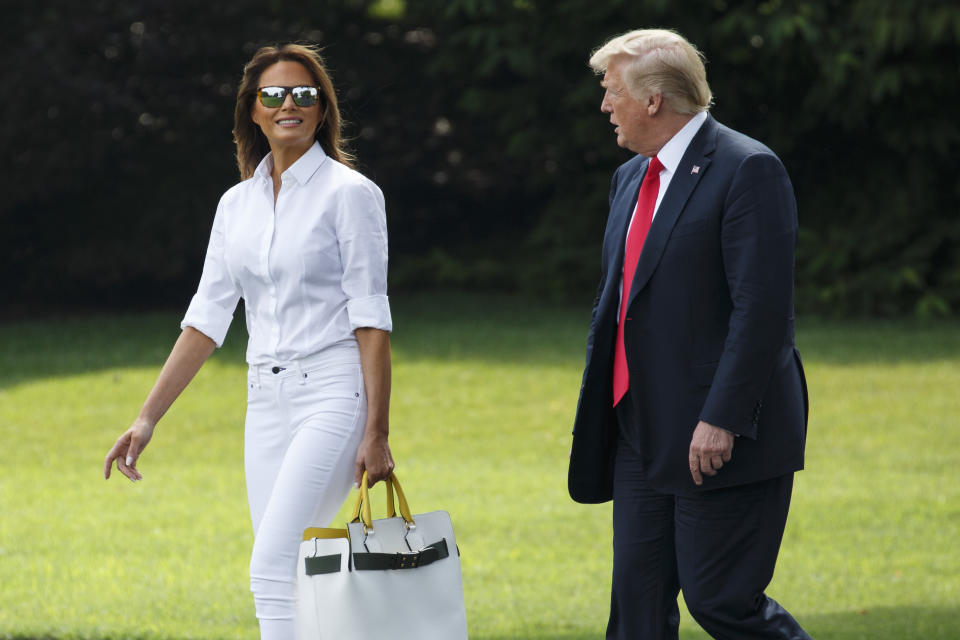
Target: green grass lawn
point(484, 395)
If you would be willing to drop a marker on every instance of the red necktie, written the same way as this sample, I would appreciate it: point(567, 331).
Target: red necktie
point(642, 218)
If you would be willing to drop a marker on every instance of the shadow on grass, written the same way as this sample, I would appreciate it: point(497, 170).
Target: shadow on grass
point(883, 623)
point(426, 327)
point(70, 346)
point(443, 326)
point(514, 328)
point(878, 341)
point(518, 329)
point(894, 623)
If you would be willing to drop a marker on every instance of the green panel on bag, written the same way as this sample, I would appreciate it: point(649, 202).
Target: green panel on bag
point(387, 561)
point(322, 564)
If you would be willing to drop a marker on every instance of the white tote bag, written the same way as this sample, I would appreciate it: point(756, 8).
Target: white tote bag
point(396, 578)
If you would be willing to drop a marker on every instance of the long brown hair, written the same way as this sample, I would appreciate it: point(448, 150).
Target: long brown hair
point(252, 145)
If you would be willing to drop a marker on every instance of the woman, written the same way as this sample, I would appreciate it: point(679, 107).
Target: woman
point(303, 241)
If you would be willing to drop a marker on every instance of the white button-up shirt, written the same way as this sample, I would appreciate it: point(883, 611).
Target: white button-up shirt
point(311, 269)
point(670, 156)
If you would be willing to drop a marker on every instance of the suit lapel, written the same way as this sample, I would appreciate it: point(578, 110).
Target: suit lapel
point(682, 184)
point(623, 206)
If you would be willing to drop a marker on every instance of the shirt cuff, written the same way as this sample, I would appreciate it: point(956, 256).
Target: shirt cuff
point(209, 319)
point(372, 312)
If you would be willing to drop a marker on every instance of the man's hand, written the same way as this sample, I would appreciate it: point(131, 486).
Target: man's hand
point(710, 447)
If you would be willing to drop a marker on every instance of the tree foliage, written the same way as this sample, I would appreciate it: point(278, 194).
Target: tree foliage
point(855, 96)
point(480, 121)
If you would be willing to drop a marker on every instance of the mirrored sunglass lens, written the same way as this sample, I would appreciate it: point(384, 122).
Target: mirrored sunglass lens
point(305, 96)
point(272, 96)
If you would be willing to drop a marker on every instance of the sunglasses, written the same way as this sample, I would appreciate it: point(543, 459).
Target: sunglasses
point(274, 96)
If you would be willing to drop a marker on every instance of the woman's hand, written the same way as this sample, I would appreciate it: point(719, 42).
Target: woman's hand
point(373, 456)
point(189, 353)
point(127, 449)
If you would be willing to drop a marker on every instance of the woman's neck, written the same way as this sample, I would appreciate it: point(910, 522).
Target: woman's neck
point(284, 157)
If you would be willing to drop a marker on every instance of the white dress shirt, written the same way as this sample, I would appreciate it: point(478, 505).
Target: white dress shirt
point(311, 269)
point(672, 153)
point(670, 156)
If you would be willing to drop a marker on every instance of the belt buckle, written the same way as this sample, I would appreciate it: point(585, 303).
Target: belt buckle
point(406, 561)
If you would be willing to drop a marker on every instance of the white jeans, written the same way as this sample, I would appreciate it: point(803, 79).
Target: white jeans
point(304, 424)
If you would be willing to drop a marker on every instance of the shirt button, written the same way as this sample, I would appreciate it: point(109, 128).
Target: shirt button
point(275, 369)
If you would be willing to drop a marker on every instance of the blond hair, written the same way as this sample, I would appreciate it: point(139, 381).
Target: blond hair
point(659, 61)
point(252, 145)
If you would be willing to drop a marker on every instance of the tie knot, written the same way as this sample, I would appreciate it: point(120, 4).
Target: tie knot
point(655, 167)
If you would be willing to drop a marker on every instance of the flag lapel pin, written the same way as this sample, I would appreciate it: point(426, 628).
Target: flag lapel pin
point(695, 170)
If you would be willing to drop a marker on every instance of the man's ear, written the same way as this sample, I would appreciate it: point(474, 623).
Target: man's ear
point(653, 103)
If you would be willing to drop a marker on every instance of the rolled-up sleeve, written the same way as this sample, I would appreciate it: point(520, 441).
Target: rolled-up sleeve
point(362, 236)
point(211, 309)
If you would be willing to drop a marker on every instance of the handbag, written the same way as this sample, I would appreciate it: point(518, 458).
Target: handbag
point(397, 577)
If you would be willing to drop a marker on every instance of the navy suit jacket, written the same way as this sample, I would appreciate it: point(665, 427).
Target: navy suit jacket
point(709, 322)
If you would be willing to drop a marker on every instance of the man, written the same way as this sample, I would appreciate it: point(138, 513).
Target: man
point(692, 413)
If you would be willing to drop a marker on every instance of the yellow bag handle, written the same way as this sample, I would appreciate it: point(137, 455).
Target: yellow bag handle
point(362, 511)
point(324, 534)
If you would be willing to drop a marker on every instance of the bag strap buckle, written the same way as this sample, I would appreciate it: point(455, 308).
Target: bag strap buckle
point(407, 560)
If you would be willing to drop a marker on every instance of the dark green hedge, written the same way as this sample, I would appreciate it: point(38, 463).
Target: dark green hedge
point(480, 120)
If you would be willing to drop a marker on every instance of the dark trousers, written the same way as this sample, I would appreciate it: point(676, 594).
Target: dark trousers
point(719, 547)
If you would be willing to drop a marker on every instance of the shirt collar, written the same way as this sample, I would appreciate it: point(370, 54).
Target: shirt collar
point(301, 170)
point(672, 153)
point(307, 164)
point(265, 167)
